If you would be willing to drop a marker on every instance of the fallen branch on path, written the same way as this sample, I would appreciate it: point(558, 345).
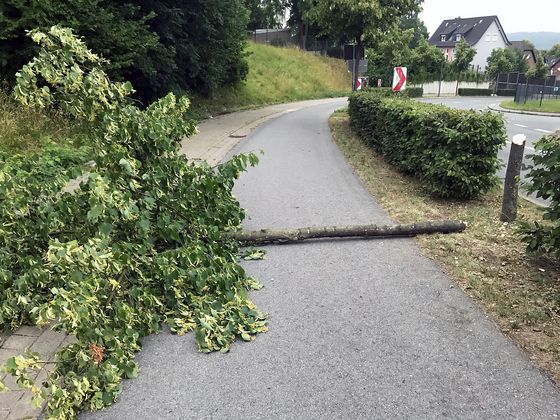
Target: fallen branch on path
point(268, 236)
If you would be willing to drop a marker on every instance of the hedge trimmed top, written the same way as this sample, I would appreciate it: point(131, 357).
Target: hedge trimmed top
point(453, 152)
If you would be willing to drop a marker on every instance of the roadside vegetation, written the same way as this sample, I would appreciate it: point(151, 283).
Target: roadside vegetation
point(520, 292)
point(29, 130)
point(548, 105)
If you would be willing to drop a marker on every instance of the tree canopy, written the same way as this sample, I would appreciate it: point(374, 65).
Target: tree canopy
point(505, 60)
point(265, 13)
point(464, 55)
point(348, 20)
point(159, 45)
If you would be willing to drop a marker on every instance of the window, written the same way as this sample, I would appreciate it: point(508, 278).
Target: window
point(495, 37)
point(458, 37)
point(443, 38)
point(487, 38)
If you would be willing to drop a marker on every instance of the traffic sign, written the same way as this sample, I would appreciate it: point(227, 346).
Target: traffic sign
point(399, 79)
point(359, 83)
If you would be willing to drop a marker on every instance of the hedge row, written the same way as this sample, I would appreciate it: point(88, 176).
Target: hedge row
point(410, 92)
point(474, 92)
point(505, 92)
point(453, 152)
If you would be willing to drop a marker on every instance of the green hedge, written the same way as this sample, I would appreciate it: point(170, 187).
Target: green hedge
point(505, 92)
point(474, 92)
point(386, 92)
point(453, 152)
point(544, 238)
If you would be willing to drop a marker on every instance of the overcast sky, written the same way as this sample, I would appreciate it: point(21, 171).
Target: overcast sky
point(515, 15)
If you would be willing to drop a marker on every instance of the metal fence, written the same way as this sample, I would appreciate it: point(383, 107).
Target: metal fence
point(529, 91)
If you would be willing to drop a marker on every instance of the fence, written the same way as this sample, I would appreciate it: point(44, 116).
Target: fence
point(271, 36)
point(528, 92)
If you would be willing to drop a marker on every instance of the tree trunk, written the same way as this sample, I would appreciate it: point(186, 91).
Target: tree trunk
point(267, 236)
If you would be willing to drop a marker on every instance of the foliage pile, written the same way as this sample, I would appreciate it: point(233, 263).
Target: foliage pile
point(544, 238)
point(158, 45)
point(453, 152)
point(140, 243)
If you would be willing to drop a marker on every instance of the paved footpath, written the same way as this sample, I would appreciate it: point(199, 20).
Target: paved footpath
point(216, 138)
point(358, 328)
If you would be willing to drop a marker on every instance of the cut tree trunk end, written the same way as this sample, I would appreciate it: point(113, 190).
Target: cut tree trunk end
point(268, 236)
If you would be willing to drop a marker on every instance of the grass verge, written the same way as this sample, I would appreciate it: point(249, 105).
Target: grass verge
point(520, 293)
point(548, 105)
point(278, 75)
point(26, 130)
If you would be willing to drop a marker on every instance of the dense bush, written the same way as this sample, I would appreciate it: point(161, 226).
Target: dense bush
point(453, 152)
point(414, 92)
point(545, 182)
point(474, 92)
point(506, 92)
point(158, 45)
point(386, 92)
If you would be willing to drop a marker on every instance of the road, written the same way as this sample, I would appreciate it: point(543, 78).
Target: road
point(532, 126)
point(358, 328)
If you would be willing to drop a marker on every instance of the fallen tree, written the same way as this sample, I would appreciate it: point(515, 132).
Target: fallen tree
point(268, 236)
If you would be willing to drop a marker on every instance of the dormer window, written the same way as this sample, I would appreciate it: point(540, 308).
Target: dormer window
point(443, 38)
point(457, 37)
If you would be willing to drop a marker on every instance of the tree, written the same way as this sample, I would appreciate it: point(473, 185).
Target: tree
point(207, 38)
point(116, 30)
point(159, 45)
point(540, 70)
point(265, 13)
point(427, 62)
point(393, 50)
point(554, 51)
point(413, 21)
point(348, 20)
point(504, 60)
point(464, 55)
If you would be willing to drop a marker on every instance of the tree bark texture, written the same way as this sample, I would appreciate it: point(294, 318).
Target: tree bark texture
point(268, 236)
point(511, 183)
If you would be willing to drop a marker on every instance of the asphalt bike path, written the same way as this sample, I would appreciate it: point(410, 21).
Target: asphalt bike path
point(358, 328)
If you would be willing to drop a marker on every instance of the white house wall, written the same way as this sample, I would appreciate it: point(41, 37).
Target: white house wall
point(491, 40)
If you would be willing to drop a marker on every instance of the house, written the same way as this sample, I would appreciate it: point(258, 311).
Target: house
point(483, 33)
point(553, 64)
point(529, 53)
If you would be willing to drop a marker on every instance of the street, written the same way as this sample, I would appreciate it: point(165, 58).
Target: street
point(532, 126)
point(358, 328)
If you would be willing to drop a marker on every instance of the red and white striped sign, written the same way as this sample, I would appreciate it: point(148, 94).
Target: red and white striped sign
point(399, 79)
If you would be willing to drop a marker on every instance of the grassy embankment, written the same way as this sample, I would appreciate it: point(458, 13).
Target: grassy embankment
point(276, 75)
point(279, 75)
point(488, 261)
point(548, 105)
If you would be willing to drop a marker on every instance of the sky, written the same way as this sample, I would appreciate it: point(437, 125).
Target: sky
point(515, 15)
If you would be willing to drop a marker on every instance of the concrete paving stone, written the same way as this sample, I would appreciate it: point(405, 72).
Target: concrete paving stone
point(18, 342)
point(29, 331)
point(23, 409)
point(48, 343)
point(8, 399)
point(5, 354)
